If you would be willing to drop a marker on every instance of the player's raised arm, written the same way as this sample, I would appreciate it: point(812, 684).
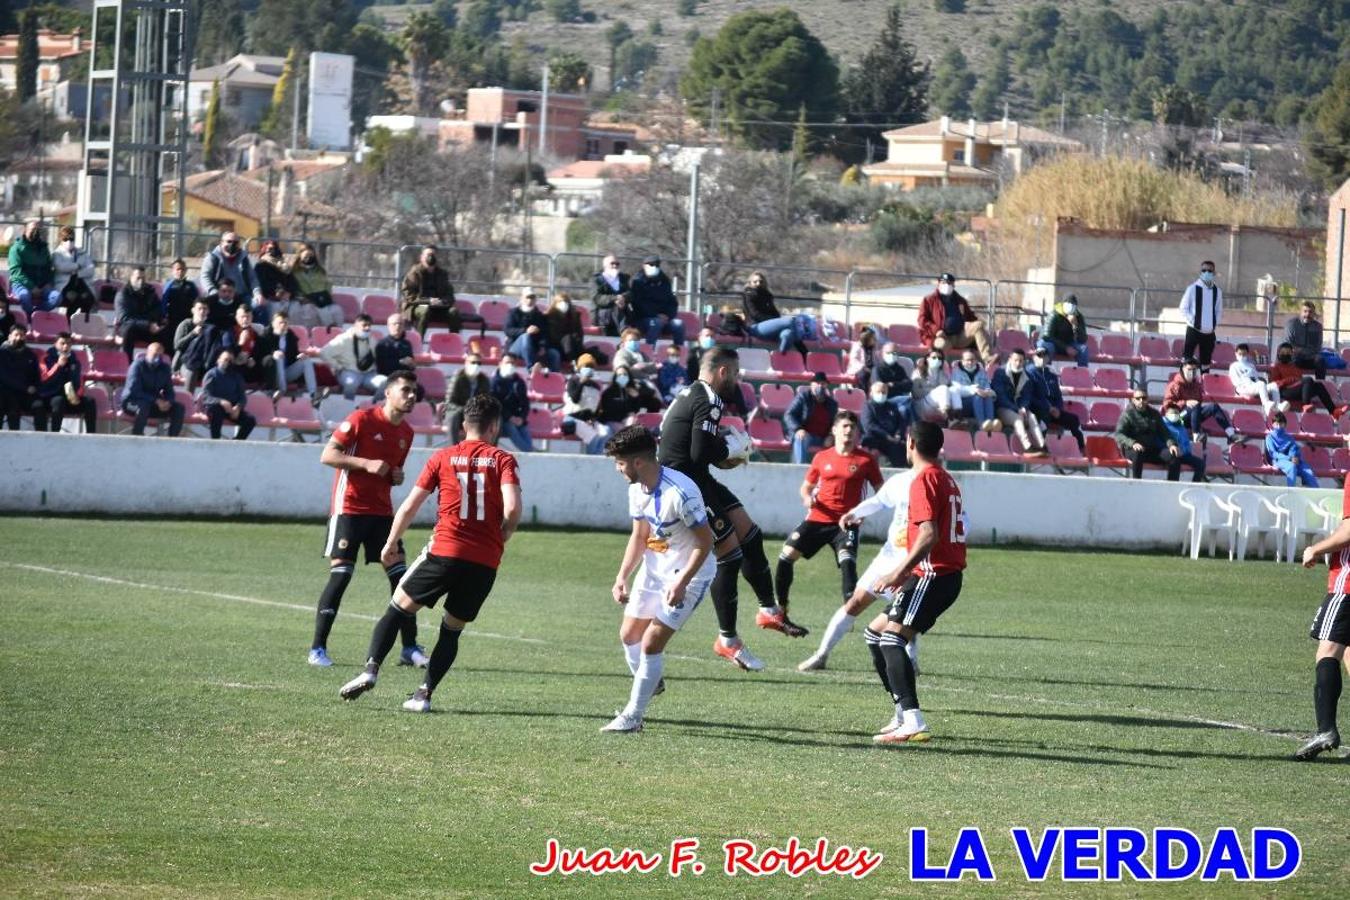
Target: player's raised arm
point(511, 507)
point(407, 511)
point(874, 504)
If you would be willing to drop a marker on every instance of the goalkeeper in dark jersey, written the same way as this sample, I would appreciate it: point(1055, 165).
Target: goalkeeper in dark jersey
point(692, 440)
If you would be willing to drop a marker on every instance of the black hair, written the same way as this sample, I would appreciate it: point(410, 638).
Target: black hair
point(1243, 347)
point(1189, 361)
point(718, 357)
point(362, 317)
point(635, 440)
point(927, 437)
point(1279, 419)
point(847, 415)
point(64, 335)
point(407, 375)
point(482, 411)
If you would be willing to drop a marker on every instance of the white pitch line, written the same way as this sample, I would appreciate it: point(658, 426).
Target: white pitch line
point(258, 601)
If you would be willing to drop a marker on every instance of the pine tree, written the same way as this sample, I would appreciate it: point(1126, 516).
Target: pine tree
point(952, 83)
point(1328, 138)
point(211, 127)
point(988, 98)
point(277, 121)
point(27, 68)
point(220, 31)
point(889, 86)
point(615, 36)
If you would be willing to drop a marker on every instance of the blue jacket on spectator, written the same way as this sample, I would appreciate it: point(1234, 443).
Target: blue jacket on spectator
point(148, 381)
point(18, 368)
point(1030, 393)
point(881, 421)
point(223, 384)
point(670, 377)
point(55, 381)
point(1050, 393)
point(652, 297)
point(1280, 445)
point(802, 407)
point(388, 352)
point(512, 394)
point(1181, 434)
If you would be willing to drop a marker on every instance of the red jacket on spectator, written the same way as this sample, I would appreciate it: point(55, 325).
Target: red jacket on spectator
point(1284, 375)
point(932, 315)
point(1179, 390)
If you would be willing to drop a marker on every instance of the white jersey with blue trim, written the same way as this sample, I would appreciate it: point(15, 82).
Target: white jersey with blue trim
point(671, 512)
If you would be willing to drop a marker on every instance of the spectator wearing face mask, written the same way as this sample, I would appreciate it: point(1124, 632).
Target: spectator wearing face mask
point(1143, 437)
point(932, 389)
point(707, 339)
point(883, 427)
point(139, 317)
point(581, 406)
point(1202, 308)
point(351, 357)
point(613, 297)
point(73, 273)
point(227, 262)
point(672, 375)
point(1297, 386)
point(275, 281)
point(1249, 382)
point(61, 387)
point(1185, 393)
point(890, 372)
point(179, 295)
point(1177, 428)
point(20, 379)
point(1066, 332)
point(764, 321)
point(527, 333)
point(947, 321)
point(509, 389)
point(1304, 333)
point(1053, 414)
point(655, 312)
point(971, 391)
point(1017, 393)
point(625, 396)
point(862, 357)
point(1286, 455)
point(30, 270)
point(809, 419)
point(565, 332)
point(312, 303)
point(629, 355)
point(468, 382)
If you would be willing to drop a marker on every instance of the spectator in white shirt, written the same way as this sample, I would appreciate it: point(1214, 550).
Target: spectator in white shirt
point(1247, 382)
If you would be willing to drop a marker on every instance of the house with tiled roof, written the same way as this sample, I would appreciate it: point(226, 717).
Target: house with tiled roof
point(944, 153)
point(220, 200)
point(578, 186)
point(58, 54)
point(246, 84)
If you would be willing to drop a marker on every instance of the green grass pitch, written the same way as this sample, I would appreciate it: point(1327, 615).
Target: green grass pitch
point(161, 735)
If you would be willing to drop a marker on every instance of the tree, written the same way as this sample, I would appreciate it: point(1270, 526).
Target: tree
point(988, 98)
point(563, 10)
point(952, 83)
point(211, 127)
point(615, 36)
point(308, 25)
point(633, 61)
point(888, 87)
point(375, 55)
point(220, 31)
point(765, 65)
point(425, 40)
point(18, 123)
point(482, 19)
point(1328, 137)
point(949, 6)
point(686, 8)
point(801, 138)
point(1174, 105)
point(276, 123)
point(569, 73)
point(447, 11)
point(27, 67)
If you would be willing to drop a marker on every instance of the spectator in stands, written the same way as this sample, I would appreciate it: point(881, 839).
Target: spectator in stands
point(527, 334)
point(970, 391)
point(73, 275)
point(1285, 454)
point(629, 355)
point(932, 389)
point(61, 386)
point(764, 321)
point(707, 339)
point(862, 357)
point(179, 295)
point(947, 321)
point(1017, 393)
point(613, 297)
point(394, 353)
point(245, 351)
point(1179, 430)
point(351, 356)
point(30, 270)
point(566, 335)
point(1066, 332)
point(274, 280)
point(509, 389)
point(6, 317)
point(228, 262)
point(581, 407)
point(1248, 382)
point(283, 361)
point(655, 312)
point(1186, 393)
point(313, 301)
point(1053, 414)
point(1304, 333)
point(149, 392)
point(672, 376)
point(468, 382)
point(223, 305)
point(1202, 308)
point(1142, 436)
point(428, 295)
point(883, 427)
point(19, 380)
point(626, 396)
point(224, 398)
point(1298, 386)
point(899, 387)
point(809, 419)
point(139, 316)
point(198, 342)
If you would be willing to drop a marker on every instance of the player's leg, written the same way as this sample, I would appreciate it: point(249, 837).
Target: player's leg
point(631, 630)
point(921, 601)
point(401, 607)
point(341, 549)
point(662, 624)
point(755, 569)
point(466, 586)
point(1331, 630)
point(872, 637)
point(724, 590)
point(861, 597)
point(442, 658)
point(413, 654)
point(783, 572)
point(845, 544)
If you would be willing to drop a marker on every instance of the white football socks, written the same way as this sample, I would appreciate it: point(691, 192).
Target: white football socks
point(841, 623)
point(632, 653)
point(644, 683)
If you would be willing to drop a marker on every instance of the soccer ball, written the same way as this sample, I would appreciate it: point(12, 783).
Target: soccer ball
point(738, 447)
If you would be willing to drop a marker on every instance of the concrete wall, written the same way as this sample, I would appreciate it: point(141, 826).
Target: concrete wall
point(125, 475)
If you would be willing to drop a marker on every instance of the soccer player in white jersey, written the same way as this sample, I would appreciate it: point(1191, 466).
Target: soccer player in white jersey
point(894, 495)
point(672, 542)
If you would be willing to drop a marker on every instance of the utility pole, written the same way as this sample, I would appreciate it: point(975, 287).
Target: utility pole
point(1063, 104)
point(1247, 172)
point(691, 244)
point(295, 112)
point(492, 164)
point(714, 114)
point(543, 116)
point(1106, 128)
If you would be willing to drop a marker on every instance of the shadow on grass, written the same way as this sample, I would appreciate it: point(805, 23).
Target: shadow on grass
point(1070, 640)
point(1086, 682)
point(625, 676)
point(1096, 718)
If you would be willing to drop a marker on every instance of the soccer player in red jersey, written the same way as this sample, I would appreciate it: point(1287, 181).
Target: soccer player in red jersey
point(368, 450)
point(478, 512)
point(834, 484)
point(1331, 630)
point(929, 578)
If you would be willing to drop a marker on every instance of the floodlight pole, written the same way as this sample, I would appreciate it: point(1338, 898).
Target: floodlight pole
point(691, 245)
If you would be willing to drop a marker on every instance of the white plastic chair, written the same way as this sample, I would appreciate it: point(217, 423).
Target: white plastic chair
point(1303, 517)
point(1255, 516)
point(1207, 519)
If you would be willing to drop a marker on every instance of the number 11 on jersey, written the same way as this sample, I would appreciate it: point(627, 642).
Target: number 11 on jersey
point(479, 495)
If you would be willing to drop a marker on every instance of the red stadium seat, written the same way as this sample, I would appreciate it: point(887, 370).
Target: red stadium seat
point(788, 366)
point(1249, 422)
point(1079, 409)
point(103, 403)
point(432, 381)
point(827, 361)
point(1319, 460)
point(766, 435)
point(1219, 388)
point(494, 313)
point(648, 420)
point(1340, 460)
point(1105, 414)
point(423, 421)
point(1224, 355)
point(547, 387)
point(94, 331)
point(691, 323)
point(1112, 383)
point(1246, 458)
point(731, 422)
point(446, 347)
point(489, 347)
point(1010, 339)
point(588, 326)
point(1156, 351)
point(322, 334)
point(994, 448)
point(297, 415)
point(419, 353)
point(44, 326)
point(958, 446)
point(379, 306)
point(850, 399)
point(259, 406)
point(1319, 427)
point(1115, 348)
point(776, 398)
point(1215, 464)
point(542, 425)
point(1076, 380)
point(351, 307)
point(108, 365)
point(1102, 451)
point(905, 338)
point(1065, 453)
point(755, 363)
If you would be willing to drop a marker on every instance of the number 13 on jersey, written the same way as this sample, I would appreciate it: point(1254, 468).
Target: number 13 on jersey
point(958, 520)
